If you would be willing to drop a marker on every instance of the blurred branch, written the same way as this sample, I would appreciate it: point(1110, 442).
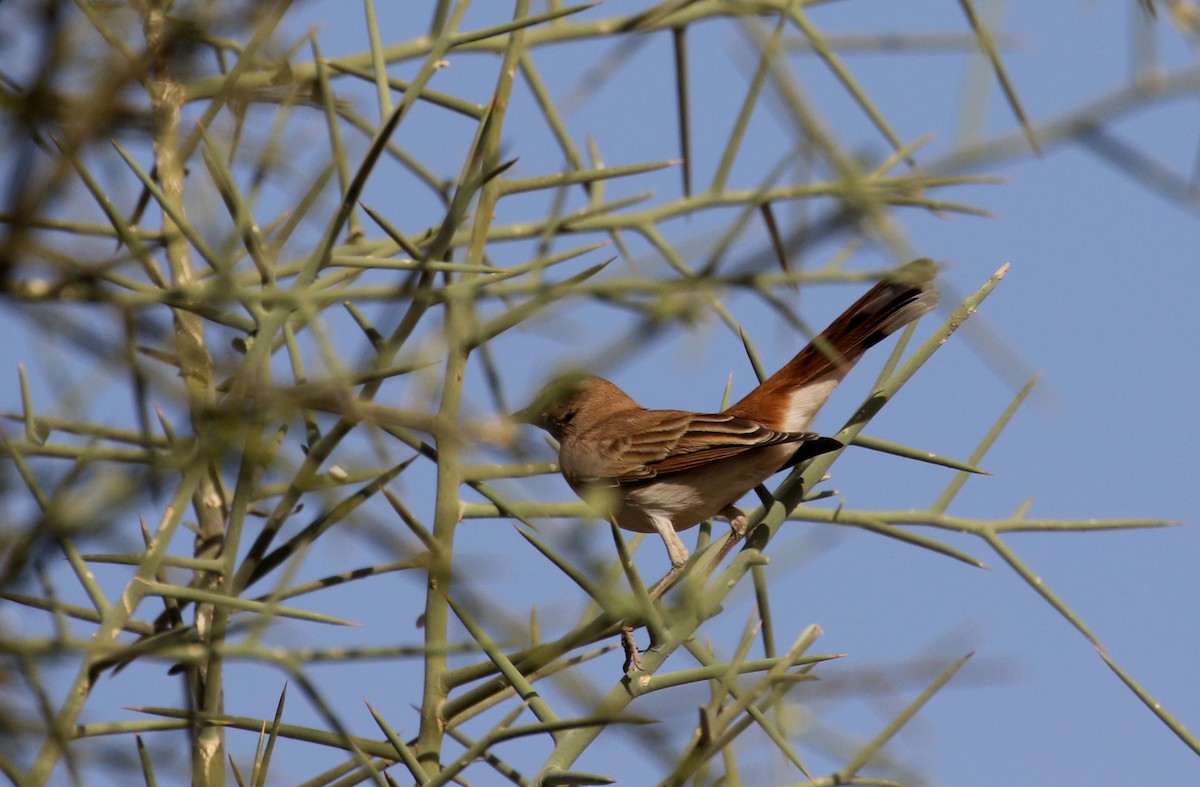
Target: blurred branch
point(270, 376)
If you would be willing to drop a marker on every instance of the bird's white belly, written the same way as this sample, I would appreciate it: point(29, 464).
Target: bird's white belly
point(690, 497)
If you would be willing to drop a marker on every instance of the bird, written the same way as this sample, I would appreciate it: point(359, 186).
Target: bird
point(664, 471)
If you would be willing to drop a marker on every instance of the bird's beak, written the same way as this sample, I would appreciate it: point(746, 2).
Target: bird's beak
point(526, 415)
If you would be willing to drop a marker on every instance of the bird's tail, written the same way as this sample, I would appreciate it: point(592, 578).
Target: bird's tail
point(788, 400)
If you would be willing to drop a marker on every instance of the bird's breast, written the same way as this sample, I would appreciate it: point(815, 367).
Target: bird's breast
point(689, 497)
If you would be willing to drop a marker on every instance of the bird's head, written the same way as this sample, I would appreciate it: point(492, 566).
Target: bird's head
point(573, 403)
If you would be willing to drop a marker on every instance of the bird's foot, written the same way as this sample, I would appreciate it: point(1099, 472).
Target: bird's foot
point(633, 657)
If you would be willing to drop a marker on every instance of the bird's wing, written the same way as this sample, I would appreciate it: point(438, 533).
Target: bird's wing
point(653, 443)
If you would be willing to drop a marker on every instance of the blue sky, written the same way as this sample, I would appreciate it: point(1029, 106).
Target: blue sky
point(1099, 299)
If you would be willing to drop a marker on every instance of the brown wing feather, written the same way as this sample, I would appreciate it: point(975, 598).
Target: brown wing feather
point(661, 442)
point(680, 462)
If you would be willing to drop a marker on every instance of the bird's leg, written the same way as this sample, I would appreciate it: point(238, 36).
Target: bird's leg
point(678, 554)
point(737, 531)
point(676, 551)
